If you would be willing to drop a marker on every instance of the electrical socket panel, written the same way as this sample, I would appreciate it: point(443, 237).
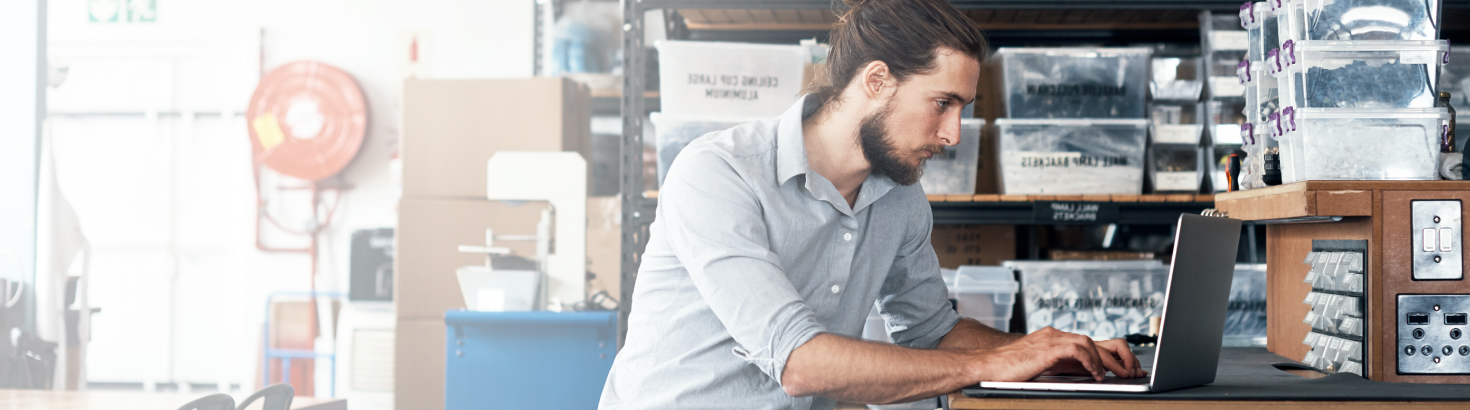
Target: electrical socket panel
point(1438, 243)
point(1432, 334)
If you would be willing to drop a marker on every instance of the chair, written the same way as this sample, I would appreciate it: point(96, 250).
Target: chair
point(277, 397)
point(217, 401)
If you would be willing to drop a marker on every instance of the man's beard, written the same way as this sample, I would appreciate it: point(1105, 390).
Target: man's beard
point(882, 155)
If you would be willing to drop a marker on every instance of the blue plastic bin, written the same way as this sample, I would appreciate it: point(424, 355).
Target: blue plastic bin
point(525, 360)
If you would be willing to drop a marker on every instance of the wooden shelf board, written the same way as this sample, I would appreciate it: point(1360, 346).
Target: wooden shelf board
point(1319, 198)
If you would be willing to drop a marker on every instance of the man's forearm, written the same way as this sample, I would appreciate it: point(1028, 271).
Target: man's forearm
point(866, 372)
point(970, 334)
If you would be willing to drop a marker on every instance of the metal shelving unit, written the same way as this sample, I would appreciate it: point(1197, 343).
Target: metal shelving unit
point(1006, 22)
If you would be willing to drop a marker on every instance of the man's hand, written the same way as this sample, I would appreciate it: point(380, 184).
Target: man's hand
point(1051, 351)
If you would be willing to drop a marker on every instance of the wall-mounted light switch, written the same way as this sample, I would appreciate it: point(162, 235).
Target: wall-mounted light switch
point(1437, 250)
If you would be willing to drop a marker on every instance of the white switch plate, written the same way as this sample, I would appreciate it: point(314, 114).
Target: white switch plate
point(1438, 238)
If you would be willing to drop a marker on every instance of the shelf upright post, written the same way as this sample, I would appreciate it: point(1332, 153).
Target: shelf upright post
point(631, 169)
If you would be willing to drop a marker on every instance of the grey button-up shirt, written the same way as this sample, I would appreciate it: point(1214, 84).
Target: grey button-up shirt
point(751, 255)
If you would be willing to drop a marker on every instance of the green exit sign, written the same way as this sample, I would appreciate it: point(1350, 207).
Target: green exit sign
point(122, 11)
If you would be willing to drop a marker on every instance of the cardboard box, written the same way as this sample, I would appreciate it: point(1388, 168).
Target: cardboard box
point(604, 245)
point(429, 234)
point(451, 128)
point(418, 364)
point(973, 244)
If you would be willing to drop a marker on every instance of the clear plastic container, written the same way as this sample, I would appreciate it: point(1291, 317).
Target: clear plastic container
point(1174, 158)
point(1362, 19)
point(1101, 299)
point(1253, 19)
point(1360, 74)
point(1262, 96)
point(954, 172)
point(1245, 318)
point(986, 294)
point(1072, 157)
point(1074, 82)
point(673, 132)
point(1361, 144)
point(729, 79)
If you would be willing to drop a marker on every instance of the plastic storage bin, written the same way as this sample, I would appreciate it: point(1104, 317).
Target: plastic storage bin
point(1072, 157)
point(1101, 299)
point(1361, 19)
point(1262, 94)
point(729, 79)
point(673, 132)
point(1361, 144)
point(1261, 29)
point(986, 294)
point(526, 360)
point(1174, 158)
point(954, 172)
point(1360, 74)
point(1245, 318)
point(1074, 82)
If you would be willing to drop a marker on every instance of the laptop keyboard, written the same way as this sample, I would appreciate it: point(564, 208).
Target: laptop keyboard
point(1089, 380)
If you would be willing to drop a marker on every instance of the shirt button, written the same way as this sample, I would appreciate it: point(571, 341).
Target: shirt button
point(846, 237)
point(836, 288)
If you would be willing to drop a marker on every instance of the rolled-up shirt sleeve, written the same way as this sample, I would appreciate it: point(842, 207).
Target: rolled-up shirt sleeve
point(714, 225)
point(914, 301)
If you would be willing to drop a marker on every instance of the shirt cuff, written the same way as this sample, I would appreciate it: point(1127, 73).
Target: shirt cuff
point(772, 359)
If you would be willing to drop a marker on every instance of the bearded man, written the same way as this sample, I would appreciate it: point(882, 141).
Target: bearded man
point(775, 238)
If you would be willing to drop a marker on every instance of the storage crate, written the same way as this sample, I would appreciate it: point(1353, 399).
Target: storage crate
point(1174, 158)
point(1361, 144)
point(1112, 299)
point(954, 172)
point(1360, 74)
point(1262, 93)
point(1245, 318)
point(673, 132)
point(729, 79)
point(1101, 299)
point(983, 293)
point(1074, 82)
point(1074, 157)
point(1360, 19)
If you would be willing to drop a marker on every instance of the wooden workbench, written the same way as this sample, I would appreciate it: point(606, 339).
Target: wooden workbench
point(124, 400)
point(1375, 211)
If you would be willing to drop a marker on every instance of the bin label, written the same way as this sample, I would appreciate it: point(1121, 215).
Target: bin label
point(1075, 212)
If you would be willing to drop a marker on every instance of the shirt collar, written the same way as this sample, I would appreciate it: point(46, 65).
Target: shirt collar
point(791, 157)
point(790, 142)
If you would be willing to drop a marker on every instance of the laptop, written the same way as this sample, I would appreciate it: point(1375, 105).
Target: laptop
point(1188, 348)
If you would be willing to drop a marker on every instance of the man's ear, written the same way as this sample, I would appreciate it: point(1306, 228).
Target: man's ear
point(876, 81)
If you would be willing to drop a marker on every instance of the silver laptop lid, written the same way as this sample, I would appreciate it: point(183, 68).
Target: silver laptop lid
point(1193, 324)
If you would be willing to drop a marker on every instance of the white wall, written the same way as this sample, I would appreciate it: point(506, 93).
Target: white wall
point(168, 200)
point(20, 40)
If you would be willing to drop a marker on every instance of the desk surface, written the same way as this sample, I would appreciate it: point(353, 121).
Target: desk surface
point(1246, 379)
point(123, 400)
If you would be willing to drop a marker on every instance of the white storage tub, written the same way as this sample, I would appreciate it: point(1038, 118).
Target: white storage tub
point(1360, 144)
point(714, 78)
point(1360, 74)
point(1074, 82)
point(1072, 157)
point(954, 172)
point(1101, 299)
point(1174, 157)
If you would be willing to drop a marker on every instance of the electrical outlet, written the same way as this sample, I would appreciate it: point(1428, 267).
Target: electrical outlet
point(1437, 240)
point(1432, 334)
